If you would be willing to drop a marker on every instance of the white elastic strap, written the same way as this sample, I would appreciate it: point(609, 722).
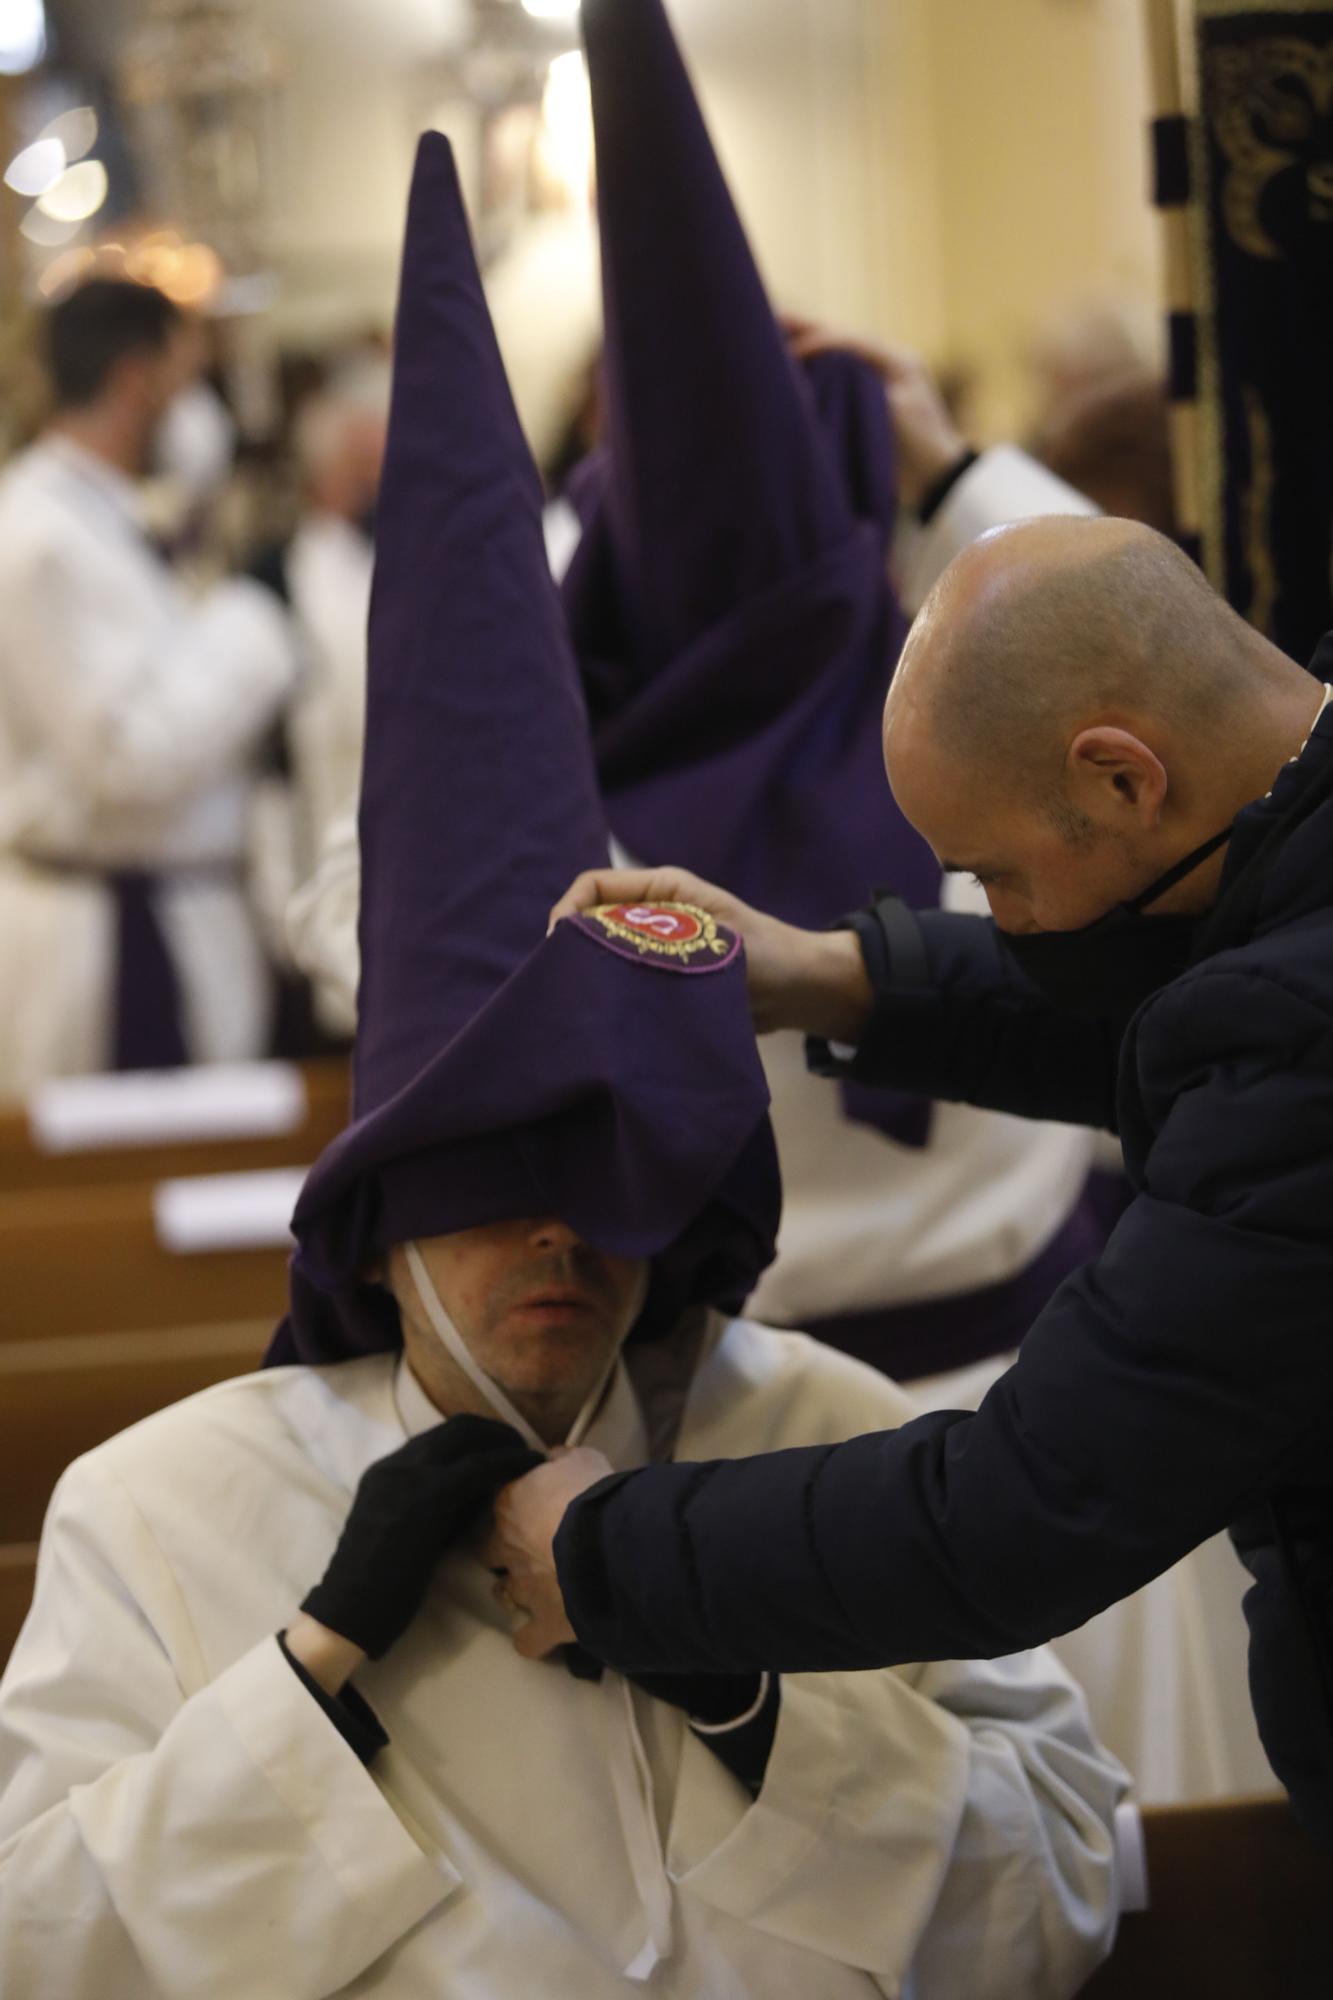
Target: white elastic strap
point(456, 1347)
point(632, 1783)
point(737, 1721)
point(485, 1385)
point(592, 1402)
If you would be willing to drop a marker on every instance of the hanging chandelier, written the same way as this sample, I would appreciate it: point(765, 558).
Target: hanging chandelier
point(202, 80)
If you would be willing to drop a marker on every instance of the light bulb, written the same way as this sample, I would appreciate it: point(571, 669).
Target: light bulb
point(37, 168)
point(78, 193)
point(22, 36)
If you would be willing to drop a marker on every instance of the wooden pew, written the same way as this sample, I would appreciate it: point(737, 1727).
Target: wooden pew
point(87, 1260)
point(26, 1168)
point(59, 1398)
point(100, 1325)
point(1240, 1908)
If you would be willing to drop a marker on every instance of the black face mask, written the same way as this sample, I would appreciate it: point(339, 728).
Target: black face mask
point(1110, 967)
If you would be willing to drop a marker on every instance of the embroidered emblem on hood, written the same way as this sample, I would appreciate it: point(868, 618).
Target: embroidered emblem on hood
point(677, 937)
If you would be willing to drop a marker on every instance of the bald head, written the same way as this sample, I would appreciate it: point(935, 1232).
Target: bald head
point(1074, 708)
point(1050, 622)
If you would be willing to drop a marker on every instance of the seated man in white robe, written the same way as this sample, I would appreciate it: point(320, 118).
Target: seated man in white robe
point(271, 1728)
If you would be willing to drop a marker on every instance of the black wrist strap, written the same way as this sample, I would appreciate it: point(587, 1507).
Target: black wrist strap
point(350, 1713)
point(903, 948)
point(942, 485)
point(894, 951)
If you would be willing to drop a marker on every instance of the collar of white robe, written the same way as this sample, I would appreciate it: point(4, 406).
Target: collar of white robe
point(631, 1778)
point(485, 1385)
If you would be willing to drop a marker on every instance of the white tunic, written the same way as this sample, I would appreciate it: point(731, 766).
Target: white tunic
point(1003, 484)
point(178, 1817)
point(126, 712)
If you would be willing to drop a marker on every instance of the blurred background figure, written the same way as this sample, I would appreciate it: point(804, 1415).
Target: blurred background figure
point(332, 453)
point(1098, 410)
point(339, 450)
point(1081, 348)
point(1112, 443)
point(321, 571)
point(129, 711)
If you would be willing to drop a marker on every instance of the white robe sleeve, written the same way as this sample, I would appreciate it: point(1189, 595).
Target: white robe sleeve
point(140, 715)
point(1003, 485)
point(946, 1829)
point(207, 1844)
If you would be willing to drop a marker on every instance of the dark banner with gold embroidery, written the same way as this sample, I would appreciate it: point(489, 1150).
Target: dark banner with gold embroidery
point(1262, 173)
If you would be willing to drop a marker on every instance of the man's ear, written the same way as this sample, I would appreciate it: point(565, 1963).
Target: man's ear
point(1115, 776)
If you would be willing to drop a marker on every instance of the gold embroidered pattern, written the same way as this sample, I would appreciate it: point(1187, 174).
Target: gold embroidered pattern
point(679, 931)
point(1267, 99)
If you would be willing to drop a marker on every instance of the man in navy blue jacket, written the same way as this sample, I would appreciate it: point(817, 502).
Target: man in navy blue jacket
point(1145, 787)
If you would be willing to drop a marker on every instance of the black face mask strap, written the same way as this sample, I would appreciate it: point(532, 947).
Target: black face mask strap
point(1195, 859)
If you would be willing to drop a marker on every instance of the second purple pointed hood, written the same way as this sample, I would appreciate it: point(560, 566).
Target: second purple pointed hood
point(729, 601)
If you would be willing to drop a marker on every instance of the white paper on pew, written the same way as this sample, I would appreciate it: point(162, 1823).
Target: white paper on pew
point(167, 1107)
point(227, 1211)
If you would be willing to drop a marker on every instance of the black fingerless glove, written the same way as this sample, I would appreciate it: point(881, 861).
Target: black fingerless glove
point(409, 1508)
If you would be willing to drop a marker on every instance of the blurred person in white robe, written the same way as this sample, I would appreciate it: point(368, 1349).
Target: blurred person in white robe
point(129, 709)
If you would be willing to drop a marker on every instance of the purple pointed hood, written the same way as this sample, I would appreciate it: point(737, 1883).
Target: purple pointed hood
point(606, 1074)
point(729, 602)
point(720, 486)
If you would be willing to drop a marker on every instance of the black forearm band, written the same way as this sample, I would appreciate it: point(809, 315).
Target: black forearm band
point(349, 1712)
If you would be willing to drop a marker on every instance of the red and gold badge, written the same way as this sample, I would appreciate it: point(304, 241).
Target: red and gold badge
point(678, 937)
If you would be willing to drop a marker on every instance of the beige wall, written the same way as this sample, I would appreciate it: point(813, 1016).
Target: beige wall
point(952, 174)
point(1039, 111)
point(826, 134)
point(947, 173)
